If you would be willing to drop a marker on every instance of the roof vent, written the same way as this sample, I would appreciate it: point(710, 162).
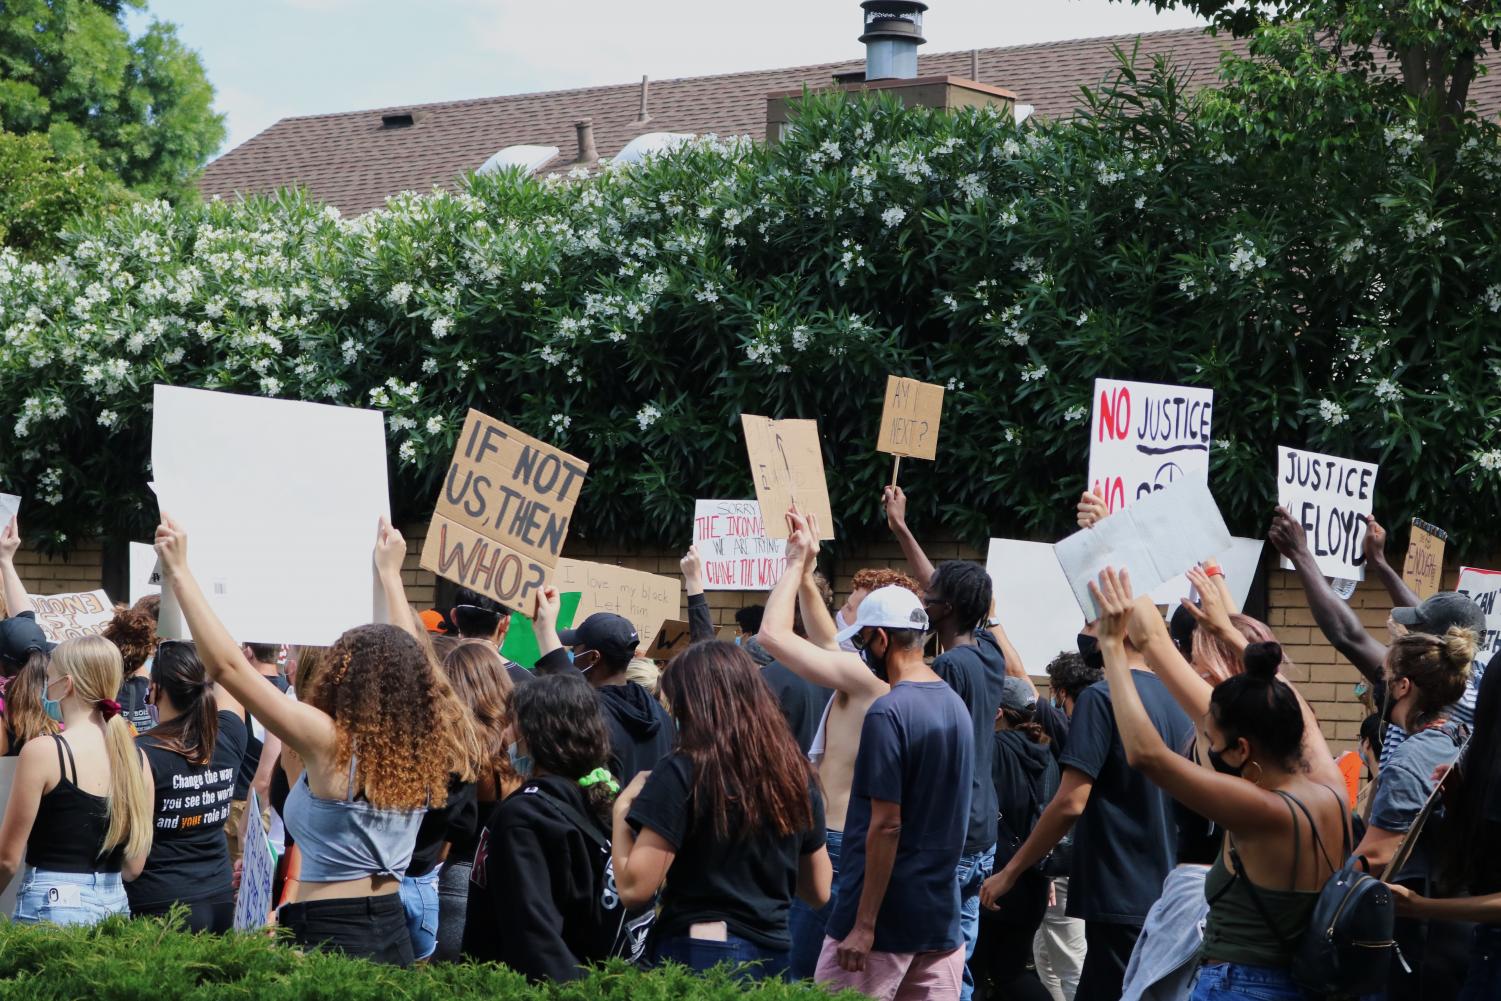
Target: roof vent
point(587, 153)
point(528, 159)
point(893, 31)
point(399, 119)
point(649, 144)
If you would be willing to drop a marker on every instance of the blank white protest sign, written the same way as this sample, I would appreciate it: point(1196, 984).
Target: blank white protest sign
point(1033, 600)
point(280, 500)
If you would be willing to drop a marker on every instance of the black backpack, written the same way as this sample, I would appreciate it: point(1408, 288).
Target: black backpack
point(1009, 839)
point(1348, 946)
point(622, 932)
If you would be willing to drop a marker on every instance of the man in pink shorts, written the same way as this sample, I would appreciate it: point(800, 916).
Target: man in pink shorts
point(894, 934)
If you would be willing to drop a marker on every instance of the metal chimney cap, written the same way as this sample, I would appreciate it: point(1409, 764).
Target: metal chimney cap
point(894, 19)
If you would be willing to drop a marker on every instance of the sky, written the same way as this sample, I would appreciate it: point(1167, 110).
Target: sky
point(270, 59)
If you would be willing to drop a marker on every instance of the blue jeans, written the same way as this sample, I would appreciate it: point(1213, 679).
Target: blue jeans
point(973, 870)
point(1484, 980)
point(419, 897)
point(696, 954)
point(69, 898)
point(806, 926)
point(1233, 981)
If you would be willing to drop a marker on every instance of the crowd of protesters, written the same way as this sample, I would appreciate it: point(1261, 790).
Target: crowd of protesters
point(874, 796)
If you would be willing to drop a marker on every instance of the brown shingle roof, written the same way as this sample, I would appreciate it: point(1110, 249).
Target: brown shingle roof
point(349, 160)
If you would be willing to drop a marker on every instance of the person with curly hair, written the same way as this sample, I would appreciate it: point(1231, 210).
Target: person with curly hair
point(379, 734)
point(133, 630)
point(542, 895)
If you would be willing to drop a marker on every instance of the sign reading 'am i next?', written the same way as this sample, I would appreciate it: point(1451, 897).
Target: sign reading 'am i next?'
point(503, 512)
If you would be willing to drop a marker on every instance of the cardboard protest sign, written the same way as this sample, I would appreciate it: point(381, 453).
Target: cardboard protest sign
point(7, 779)
point(1033, 600)
point(738, 556)
point(253, 901)
point(1156, 538)
point(10, 506)
point(1330, 497)
point(672, 639)
point(520, 644)
point(910, 418)
point(503, 512)
point(1144, 437)
point(68, 616)
point(290, 564)
point(1483, 586)
point(645, 599)
point(1424, 566)
point(145, 574)
point(786, 461)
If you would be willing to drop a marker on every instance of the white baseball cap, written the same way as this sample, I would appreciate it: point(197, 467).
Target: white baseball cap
point(890, 607)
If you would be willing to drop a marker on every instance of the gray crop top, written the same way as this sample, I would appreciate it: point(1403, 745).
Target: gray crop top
point(348, 838)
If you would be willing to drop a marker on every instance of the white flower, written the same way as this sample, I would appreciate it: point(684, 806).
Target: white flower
point(647, 416)
point(440, 327)
point(270, 385)
point(953, 384)
point(1332, 412)
point(536, 288)
point(429, 366)
point(709, 293)
point(799, 338)
point(1246, 258)
point(1013, 435)
point(1387, 391)
point(434, 425)
point(399, 294)
point(1493, 298)
point(1141, 201)
point(407, 451)
point(1489, 461)
point(560, 422)
point(1075, 414)
point(108, 418)
point(1034, 373)
point(893, 216)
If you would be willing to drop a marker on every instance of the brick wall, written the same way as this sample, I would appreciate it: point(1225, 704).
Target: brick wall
point(80, 570)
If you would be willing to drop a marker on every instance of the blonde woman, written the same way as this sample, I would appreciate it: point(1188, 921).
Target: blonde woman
point(80, 810)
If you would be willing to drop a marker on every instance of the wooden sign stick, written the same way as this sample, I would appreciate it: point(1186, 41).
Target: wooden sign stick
point(896, 467)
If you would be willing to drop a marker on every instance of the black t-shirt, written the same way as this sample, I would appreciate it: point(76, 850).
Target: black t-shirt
point(460, 813)
point(189, 857)
point(132, 699)
point(977, 673)
point(1126, 841)
point(519, 675)
point(1054, 723)
point(747, 882)
point(802, 701)
point(916, 750)
point(252, 759)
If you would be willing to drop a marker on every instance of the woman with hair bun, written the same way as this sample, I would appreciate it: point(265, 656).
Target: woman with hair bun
point(1275, 791)
point(195, 750)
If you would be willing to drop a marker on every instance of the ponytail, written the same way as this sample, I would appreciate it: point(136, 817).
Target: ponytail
point(178, 674)
point(95, 667)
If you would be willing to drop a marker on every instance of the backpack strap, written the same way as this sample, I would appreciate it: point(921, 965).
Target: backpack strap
point(588, 826)
point(1318, 841)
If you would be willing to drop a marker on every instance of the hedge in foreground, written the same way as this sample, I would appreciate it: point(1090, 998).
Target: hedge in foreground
point(122, 960)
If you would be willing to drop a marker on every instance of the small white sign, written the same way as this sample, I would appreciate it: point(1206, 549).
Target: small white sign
point(1033, 601)
point(1330, 497)
point(731, 538)
point(1483, 587)
point(1144, 437)
point(253, 902)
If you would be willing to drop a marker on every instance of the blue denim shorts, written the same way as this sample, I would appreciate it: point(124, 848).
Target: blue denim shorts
point(419, 898)
point(70, 898)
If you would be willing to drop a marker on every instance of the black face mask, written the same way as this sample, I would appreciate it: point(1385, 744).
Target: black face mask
point(1388, 707)
point(1089, 649)
point(1217, 759)
point(876, 664)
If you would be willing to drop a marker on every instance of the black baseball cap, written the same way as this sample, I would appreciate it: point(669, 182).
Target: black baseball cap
point(1440, 613)
point(610, 634)
point(19, 636)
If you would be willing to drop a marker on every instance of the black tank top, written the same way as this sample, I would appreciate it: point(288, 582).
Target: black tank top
point(70, 827)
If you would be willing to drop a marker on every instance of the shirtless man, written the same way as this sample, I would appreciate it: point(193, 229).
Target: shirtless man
point(819, 660)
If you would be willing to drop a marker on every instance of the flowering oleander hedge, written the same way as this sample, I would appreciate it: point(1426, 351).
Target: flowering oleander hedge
point(145, 960)
point(1289, 240)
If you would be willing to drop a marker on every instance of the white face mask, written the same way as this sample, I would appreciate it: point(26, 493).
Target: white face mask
point(847, 646)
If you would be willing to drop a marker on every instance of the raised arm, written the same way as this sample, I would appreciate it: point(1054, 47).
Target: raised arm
point(16, 598)
point(390, 551)
point(307, 730)
point(843, 672)
point(1374, 545)
point(1340, 625)
point(894, 500)
point(1230, 802)
point(818, 624)
point(700, 622)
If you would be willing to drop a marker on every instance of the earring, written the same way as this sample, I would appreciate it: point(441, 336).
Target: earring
point(1259, 772)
